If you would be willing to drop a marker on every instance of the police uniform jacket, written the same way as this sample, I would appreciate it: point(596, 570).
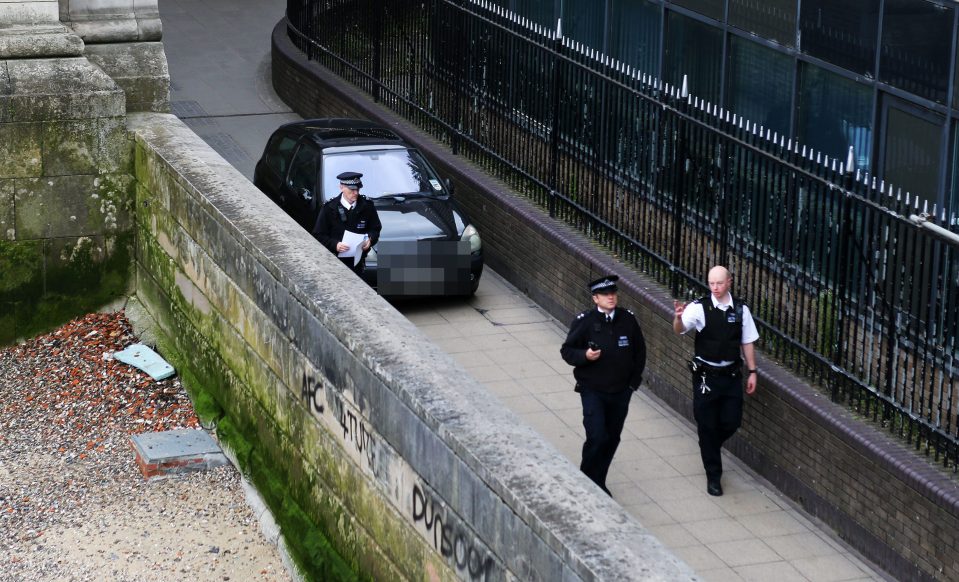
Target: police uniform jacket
point(335, 219)
point(623, 357)
point(721, 329)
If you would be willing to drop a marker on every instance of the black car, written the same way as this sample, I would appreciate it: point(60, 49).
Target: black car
point(427, 245)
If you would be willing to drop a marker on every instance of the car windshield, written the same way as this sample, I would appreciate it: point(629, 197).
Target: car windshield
point(385, 173)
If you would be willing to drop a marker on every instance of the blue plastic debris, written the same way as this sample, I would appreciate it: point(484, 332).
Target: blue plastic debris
point(143, 357)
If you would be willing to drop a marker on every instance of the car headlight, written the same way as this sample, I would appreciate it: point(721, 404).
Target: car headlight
point(472, 235)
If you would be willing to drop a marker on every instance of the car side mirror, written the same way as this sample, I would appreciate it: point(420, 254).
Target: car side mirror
point(449, 185)
point(306, 195)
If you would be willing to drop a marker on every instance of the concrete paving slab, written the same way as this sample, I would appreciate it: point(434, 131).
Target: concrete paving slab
point(778, 571)
point(701, 558)
point(800, 545)
point(724, 574)
point(831, 568)
point(745, 552)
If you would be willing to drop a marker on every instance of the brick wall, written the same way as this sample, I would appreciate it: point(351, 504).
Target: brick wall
point(889, 503)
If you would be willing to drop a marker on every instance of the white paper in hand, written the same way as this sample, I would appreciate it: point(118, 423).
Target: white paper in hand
point(355, 241)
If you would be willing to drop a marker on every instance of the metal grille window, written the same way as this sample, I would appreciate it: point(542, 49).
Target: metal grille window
point(911, 151)
point(710, 8)
point(694, 49)
point(772, 19)
point(759, 84)
point(634, 34)
point(916, 46)
point(834, 114)
point(585, 21)
point(843, 33)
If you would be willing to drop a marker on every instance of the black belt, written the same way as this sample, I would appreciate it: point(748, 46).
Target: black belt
point(700, 367)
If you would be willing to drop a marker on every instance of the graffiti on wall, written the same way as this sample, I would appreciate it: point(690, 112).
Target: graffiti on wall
point(450, 537)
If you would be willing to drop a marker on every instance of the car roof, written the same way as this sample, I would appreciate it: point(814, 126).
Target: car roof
point(329, 132)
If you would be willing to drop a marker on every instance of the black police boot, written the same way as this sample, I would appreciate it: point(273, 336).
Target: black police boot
point(713, 487)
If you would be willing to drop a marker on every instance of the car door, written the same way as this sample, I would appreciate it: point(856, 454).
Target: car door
point(271, 170)
point(300, 189)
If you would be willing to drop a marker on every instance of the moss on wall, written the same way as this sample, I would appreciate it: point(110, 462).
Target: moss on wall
point(209, 383)
point(45, 283)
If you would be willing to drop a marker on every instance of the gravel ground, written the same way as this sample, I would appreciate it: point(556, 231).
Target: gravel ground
point(73, 504)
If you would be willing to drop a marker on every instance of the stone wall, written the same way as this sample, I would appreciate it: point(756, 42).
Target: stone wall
point(376, 451)
point(888, 502)
point(65, 191)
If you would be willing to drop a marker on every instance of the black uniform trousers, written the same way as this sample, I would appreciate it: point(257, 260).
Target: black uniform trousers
point(604, 415)
point(719, 414)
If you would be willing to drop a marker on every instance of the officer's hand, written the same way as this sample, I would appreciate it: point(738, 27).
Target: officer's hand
point(593, 355)
point(751, 384)
point(366, 244)
point(342, 247)
point(678, 308)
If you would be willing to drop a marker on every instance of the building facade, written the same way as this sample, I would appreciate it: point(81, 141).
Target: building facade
point(877, 75)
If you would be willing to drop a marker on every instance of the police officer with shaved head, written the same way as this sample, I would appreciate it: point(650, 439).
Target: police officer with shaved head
point(605, 346)
point(725, 332)
point(349, 211)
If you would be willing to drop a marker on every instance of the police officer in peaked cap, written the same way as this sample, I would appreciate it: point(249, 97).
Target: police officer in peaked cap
point(349, 211)
point(606, 348)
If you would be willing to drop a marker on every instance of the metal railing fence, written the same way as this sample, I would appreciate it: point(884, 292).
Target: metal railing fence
point(847, 290)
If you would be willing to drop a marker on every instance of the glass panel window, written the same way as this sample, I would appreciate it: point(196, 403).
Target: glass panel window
point(955, 82)
point(841, 32)
point(303, 168)
point(583, 21)
point(954, 175)
point(772, 19)
point(911, 153)
point(710, 8)
point(759, 84)
point(385, 172)
point(542, 13)
point(834, 113)
point(634, 34)
point(694, 49)
point(916, 44)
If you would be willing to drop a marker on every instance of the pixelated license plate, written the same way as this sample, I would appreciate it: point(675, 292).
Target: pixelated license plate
point(423, 268)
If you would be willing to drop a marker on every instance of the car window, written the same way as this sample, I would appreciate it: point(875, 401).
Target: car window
point(278, 153)
point(398, 171)
point(303, 168)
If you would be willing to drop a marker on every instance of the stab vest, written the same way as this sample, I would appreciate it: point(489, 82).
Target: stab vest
point(720, 339)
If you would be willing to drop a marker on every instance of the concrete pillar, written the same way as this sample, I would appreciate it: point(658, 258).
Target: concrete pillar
point(123, 38)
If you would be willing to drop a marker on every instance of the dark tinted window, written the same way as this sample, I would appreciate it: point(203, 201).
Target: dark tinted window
point(834, 113)
point(584, 21)
point(772, 19)
point(955, 85)
point(911, 153)
point(303, 168)
point(916, 45)
point(393, 171)
point(711, 8)
point(842, 32)
point(278, 153)
point(954, 172)
point(543, 12)
point(694, 49)
point(759, 84)
point(634, 34)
